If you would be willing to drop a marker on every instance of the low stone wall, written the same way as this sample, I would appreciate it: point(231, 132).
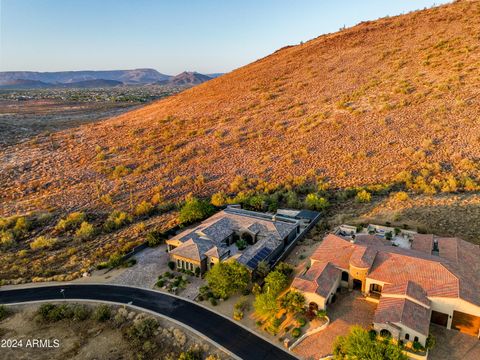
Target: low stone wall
point(309, 333)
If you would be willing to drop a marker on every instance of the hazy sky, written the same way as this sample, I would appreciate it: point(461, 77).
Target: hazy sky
point(170, 36)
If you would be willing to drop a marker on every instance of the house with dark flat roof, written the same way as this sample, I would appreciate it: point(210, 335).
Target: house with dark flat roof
point(214, 240)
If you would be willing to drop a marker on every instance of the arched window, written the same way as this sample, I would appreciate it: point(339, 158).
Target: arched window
point(385, 333)
point(344, 276)
point(407, 336)
point(415, 339)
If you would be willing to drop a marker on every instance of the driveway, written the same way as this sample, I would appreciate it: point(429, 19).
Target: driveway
point(350, 309)
point(151, 263)
point(453, 345)
point(238, 340)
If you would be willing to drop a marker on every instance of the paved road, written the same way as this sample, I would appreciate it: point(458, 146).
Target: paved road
point(233, 337)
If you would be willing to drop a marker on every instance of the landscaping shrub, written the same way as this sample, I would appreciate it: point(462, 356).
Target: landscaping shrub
point(301, 322)
point(213, 301)
point(237, 314)
point(227, 278)
point(171, 265)
point(102, 313)
point(296, 332)
point(430, 342)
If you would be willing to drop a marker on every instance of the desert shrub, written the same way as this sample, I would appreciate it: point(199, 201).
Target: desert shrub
point(363, 196)
point(85, 231)
point(315, 202)
point(142, 329)
point(155, 238)
point(102, 313)
point(53, 313)
point(21, 228)
point(72, 221)
point(7, 239)
point(194, 210)
point(4, 312)
point(116, 220)
point(218, 199)
point(296, 332)
point(120, 171)
point(400, 196)
point(192, 354)
point(43, 242)
point(81, 312)
point(145, 208)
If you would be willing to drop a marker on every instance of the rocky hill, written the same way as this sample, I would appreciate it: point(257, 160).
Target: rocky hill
point(186, 78)
point(357, 107)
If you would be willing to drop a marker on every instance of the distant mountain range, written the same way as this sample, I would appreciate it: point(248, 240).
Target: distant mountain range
point(91, 79)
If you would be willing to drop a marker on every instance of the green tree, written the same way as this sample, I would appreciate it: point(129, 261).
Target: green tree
point(227, 278)
point(266, 304)
point(275, 282)
point(359, 345)
point(315, 202)
point(194, 210)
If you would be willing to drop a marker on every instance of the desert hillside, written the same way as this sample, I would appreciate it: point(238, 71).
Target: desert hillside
point(356, 107)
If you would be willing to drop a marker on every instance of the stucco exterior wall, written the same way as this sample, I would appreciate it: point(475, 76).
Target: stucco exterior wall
point(448, 305)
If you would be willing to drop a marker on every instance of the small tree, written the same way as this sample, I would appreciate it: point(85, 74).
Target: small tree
point(275, 282)
point(194, 210)
point(227, 278)
point(293, 302)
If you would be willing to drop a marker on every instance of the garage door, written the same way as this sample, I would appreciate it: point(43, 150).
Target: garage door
point(439, 318)
point(466, 323)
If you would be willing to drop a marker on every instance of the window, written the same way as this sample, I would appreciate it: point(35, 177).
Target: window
point(415, 339)
point(344, 276)
point(407, 336)
point(376, 287)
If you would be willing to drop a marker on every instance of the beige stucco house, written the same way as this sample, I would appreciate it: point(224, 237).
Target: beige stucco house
point(435, 281)
point(214, 240)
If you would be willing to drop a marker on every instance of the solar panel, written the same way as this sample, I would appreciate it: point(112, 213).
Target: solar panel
point(261, 255)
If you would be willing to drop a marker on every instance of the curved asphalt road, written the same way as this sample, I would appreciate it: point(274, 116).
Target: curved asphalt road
point(233, 337)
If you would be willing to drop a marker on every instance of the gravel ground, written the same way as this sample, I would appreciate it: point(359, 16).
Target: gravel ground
point(151, 262)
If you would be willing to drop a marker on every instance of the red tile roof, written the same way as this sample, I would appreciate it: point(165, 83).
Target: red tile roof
point(423, 243)
point(409, 288)
point(319, 278)
point(456, 274)
point(403, 311)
